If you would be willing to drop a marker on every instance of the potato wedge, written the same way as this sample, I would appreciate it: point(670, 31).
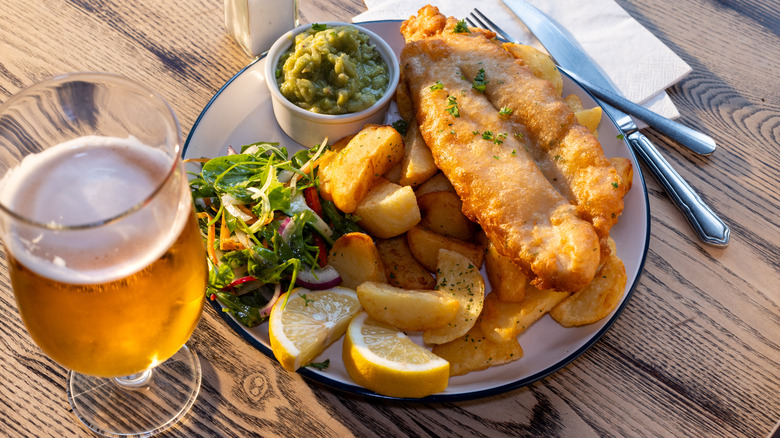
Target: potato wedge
point(458, 278)
point(436, 183)
point(425, 246)
point(410, 310)
point(540, 63)
point(442, 213)
point(388, 210)
point(474, 352)
point(401, 268)
point(417, 165)
point(589, 118)
point(332, 153)
point(503, 321)
point(507, 281)
point(346, 175)
point(597, 299)
point(357, 260)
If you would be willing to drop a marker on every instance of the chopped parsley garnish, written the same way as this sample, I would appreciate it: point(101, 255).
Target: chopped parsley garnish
point(306, 300)
point(401, 126)
point(452, 106)
point(437, 86)
point(506, 111)
point(497, 139)
point(461, 27)
point(320, 365)
point(479, 82)
point(318, 26)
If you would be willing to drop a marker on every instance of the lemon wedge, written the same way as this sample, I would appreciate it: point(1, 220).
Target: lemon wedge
point(308, 323)
point(383, 359)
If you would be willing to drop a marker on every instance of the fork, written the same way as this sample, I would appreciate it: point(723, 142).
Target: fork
point(690, 138)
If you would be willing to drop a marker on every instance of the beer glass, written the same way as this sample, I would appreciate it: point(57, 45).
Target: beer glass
point(104, 252)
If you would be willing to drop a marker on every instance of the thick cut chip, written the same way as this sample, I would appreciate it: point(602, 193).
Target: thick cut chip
point(507, 281)
point(503, 321)
point(417, 165)
point(474, 352)
point(425, 246)
point(597, 299)
point(458, 277)
point(356, 259)
point(442, 213)
point(388, 209)
point(590, 118)
point(346, 174)
point(436, 183)
point(408, 310)
point(401, 268)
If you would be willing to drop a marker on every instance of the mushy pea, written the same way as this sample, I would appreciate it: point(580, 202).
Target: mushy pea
point(332, 70)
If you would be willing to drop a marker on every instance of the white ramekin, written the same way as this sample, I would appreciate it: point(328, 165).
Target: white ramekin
point(309, 128)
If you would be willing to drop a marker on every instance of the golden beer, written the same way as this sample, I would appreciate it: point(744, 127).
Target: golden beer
point(118, 297)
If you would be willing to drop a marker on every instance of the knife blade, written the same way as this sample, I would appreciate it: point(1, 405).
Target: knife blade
point(706, 224)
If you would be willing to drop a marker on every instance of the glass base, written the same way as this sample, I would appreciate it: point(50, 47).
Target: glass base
point(143, 404)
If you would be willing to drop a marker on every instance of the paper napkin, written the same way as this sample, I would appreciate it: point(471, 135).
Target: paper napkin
point(639, 64)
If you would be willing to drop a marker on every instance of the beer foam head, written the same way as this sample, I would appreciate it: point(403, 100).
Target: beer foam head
point(85, 180)
point(89, 180)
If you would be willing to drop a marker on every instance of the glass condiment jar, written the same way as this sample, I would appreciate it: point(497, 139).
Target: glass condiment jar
point(256, 24)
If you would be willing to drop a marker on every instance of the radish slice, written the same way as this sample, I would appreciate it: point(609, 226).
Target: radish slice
point(318, 279)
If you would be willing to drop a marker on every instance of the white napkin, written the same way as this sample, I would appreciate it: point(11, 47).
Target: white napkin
point(637, 62)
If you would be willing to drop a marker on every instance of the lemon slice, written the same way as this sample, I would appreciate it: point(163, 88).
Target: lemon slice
point(309, 323)
point(383, 359)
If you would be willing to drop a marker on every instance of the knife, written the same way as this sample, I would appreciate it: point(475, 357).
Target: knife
point(705, 223)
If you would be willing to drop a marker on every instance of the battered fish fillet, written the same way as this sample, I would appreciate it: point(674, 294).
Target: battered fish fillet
point(568, 155)
point(499, 183)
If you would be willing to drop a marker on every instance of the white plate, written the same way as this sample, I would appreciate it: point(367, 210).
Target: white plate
point(240, 113)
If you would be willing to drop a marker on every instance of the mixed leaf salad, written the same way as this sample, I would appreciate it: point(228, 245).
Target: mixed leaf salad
point(266, 227)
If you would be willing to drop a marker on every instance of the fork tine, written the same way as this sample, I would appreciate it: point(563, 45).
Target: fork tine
point(478, 16)
point(473, 21)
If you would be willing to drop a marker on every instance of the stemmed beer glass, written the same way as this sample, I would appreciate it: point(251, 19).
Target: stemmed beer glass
point(104, 252)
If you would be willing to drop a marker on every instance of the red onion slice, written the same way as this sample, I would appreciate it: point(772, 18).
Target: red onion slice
point(286, 228)
point(318, 279)
point(266, 310)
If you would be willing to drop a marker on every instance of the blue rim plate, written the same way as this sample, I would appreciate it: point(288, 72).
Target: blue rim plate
point(240, 113)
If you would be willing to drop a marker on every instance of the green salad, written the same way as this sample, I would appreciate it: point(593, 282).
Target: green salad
point(266, 227)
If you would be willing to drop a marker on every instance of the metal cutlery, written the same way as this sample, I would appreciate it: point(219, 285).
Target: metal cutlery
point(706, 224)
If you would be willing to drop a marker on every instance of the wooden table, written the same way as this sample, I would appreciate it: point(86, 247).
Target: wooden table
point(695, 353)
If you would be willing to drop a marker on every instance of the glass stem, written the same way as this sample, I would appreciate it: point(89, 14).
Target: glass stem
point(135, 381)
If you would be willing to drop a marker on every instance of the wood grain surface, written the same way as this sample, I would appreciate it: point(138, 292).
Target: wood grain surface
point(696, 353)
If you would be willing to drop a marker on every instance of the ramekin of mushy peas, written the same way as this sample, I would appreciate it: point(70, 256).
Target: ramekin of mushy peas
point(332, 70)
point(329, 80)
